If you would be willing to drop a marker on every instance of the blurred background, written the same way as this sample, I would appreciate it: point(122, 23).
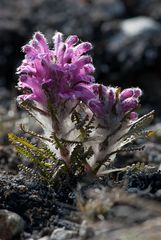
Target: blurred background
point(126, 35)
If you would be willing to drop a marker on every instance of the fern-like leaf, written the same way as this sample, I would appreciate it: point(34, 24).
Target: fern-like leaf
point(45, 161)
point(135, 167)
point(79, 158)
point(137, 127)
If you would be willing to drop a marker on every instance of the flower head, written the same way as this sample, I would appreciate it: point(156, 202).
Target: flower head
point(65, 69)
point(111, 103)
point(128, 101)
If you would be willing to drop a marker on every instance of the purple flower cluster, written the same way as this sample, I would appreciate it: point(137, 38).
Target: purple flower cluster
point(67, 72)
point(110, 101)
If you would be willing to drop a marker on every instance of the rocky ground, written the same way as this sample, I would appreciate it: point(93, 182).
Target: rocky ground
point(126, 35)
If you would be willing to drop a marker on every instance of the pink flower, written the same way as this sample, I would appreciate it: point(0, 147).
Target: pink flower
point(64, 70)
point(128, 102)
point(67, 72)
point(102, 101)
point(109, 102)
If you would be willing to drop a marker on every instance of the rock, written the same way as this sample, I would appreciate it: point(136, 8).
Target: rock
point(36, 202)
point(152, 153)
point(44, 238)
point(130, 214)
point(85, 231)
point(131, 41)
point(131, 52)
point(30, 199)
point(147, 184)
point(148, 230)
point(62, 234)
point(129, 31)
point(139, 25)
point(130, 217)
point(11, 224)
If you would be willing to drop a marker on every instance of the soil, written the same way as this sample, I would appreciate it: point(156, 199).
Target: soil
point(116, 207)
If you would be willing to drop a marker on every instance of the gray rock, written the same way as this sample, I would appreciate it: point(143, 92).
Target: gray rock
point(133, 49)
point(148, 230)
point(128, 30)
point(139, 25)
point(62, 234)
point(11, 224)
point(44, 238)
point(86, 231)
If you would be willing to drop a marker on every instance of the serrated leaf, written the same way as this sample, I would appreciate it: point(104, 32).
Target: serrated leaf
point(138, 167)
point(20, 140)
point(141, 123)
point(31, 110)
point(33, 134)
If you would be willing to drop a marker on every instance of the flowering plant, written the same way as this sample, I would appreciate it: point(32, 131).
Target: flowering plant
point(85, 124)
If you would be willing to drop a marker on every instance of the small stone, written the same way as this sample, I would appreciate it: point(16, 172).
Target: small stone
point(158, 193)
point(130, 31)
point(62, 234)
point(139, 25)
point(44, 238)
point(11, 224)
point(86, 231)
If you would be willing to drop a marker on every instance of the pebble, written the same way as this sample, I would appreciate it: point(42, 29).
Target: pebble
point(62, 234)
point(44, 238)
point(128, 30)
point(11, 224)
point(85, 231)
point(138, 25)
